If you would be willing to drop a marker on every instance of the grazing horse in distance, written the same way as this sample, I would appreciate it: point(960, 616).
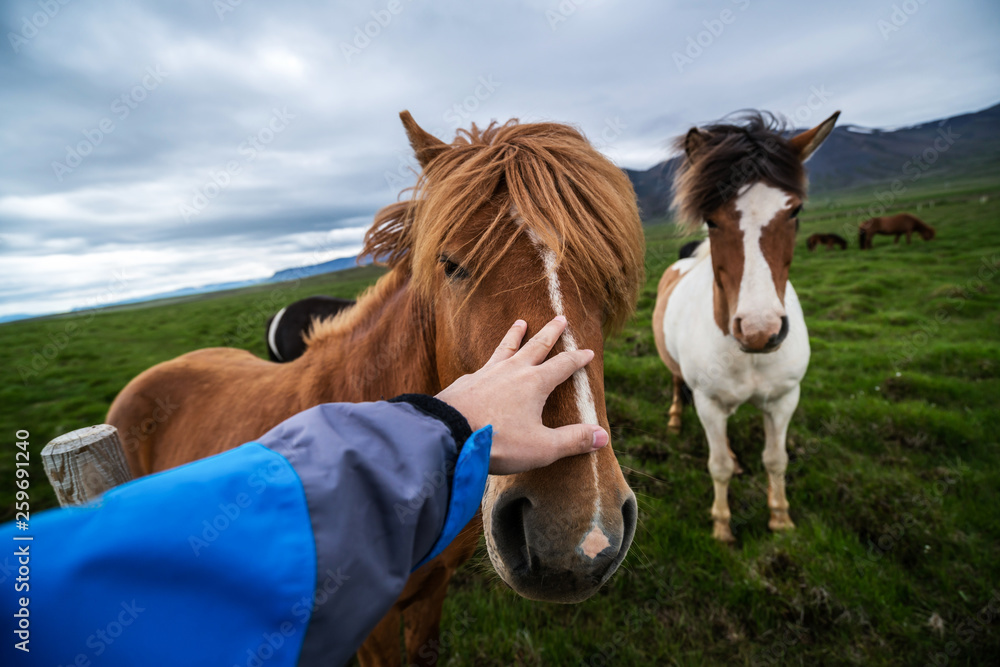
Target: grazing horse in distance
point(727, 322)
point(287, 329)
point(829, 240)
point(893, 225)
point(513, 221)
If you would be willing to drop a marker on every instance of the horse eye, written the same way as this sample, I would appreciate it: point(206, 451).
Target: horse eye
point(711, 225)
point(451, 269)
point(795, 213)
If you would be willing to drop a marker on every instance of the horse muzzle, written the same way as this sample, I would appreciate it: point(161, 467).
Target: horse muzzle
point(551, 560)
point(760, 342)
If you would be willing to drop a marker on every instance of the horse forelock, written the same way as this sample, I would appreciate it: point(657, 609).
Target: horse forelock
point(733, 156)
point(571, 198)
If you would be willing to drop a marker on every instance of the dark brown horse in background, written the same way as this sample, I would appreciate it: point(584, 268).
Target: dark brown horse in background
point(515, 221)
point(829, 240)
point(893, 225)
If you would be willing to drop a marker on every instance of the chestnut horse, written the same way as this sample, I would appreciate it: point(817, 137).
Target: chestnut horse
point(727, 321)
point(893, 225)
point(829, 240)
point(515, 221)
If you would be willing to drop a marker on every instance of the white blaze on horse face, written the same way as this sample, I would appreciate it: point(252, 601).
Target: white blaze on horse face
point(596, 540)
point(758, 299)
point(581, 381)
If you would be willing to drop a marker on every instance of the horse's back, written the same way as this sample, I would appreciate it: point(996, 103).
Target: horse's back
point(186, 408)
point(669, 281)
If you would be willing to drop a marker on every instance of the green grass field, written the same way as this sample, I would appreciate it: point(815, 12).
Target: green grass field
point(893, 480)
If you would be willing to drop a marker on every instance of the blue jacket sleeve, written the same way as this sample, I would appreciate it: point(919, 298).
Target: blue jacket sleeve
point(283, 551)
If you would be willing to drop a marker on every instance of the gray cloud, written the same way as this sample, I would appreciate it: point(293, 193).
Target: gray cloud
point(164, 99)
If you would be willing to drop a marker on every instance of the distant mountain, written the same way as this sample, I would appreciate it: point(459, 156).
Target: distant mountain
point(284, 275)
point(279, 276)
point(317, 269)
point(852, 156)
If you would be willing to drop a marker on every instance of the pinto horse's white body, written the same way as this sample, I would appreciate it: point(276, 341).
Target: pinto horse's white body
point(711, 361)
point(723, 377)
point(727, 321)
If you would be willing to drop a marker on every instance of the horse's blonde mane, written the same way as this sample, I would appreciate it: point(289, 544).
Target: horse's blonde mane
point(572, 198)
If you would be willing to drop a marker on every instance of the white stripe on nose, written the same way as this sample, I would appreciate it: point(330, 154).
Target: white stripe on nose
point(585, 405)
point(758, 303)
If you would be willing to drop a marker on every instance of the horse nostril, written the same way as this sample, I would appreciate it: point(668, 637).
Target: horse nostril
point(777, 338)
point(630, 515)
point(511, 541)
point(738, 326)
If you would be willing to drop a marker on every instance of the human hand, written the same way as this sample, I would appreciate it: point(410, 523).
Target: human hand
point(509, 393)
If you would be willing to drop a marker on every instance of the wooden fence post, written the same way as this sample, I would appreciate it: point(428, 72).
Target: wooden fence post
point(83, 464)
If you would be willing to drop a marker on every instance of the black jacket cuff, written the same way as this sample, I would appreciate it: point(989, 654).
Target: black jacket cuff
point(452, 418)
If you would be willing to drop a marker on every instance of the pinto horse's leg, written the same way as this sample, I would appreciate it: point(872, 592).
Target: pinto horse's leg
point(777, 415)
point(737, 468)
point(676, 407)
point(720, 464)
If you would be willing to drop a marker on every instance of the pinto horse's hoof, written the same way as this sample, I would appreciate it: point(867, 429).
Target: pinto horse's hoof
point(722, 532)
point(780, 521)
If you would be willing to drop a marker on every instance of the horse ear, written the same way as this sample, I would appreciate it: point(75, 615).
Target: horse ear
point(694, 140)
point(425, 145)
point(805, 144)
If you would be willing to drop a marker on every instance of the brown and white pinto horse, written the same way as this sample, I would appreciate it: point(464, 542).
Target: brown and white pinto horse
point(515, 221)
point(893, 225)
point(727, 322)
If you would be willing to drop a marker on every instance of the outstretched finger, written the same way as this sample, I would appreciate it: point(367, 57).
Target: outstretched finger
point(561, 367)
point(536, 349)
point(510, 343)
point(577, 439)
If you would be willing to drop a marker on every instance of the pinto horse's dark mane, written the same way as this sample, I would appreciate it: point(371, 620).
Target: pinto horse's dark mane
point(750, 147)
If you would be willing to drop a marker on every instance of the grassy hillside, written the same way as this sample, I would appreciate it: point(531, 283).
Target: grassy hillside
point(893, 480)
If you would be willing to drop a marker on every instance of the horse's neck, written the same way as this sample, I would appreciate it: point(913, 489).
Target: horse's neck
point(384, 349)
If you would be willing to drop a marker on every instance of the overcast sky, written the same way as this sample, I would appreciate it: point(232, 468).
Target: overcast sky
point(147, 148)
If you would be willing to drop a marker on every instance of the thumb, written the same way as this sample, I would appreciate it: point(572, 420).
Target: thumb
point(577, 439)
